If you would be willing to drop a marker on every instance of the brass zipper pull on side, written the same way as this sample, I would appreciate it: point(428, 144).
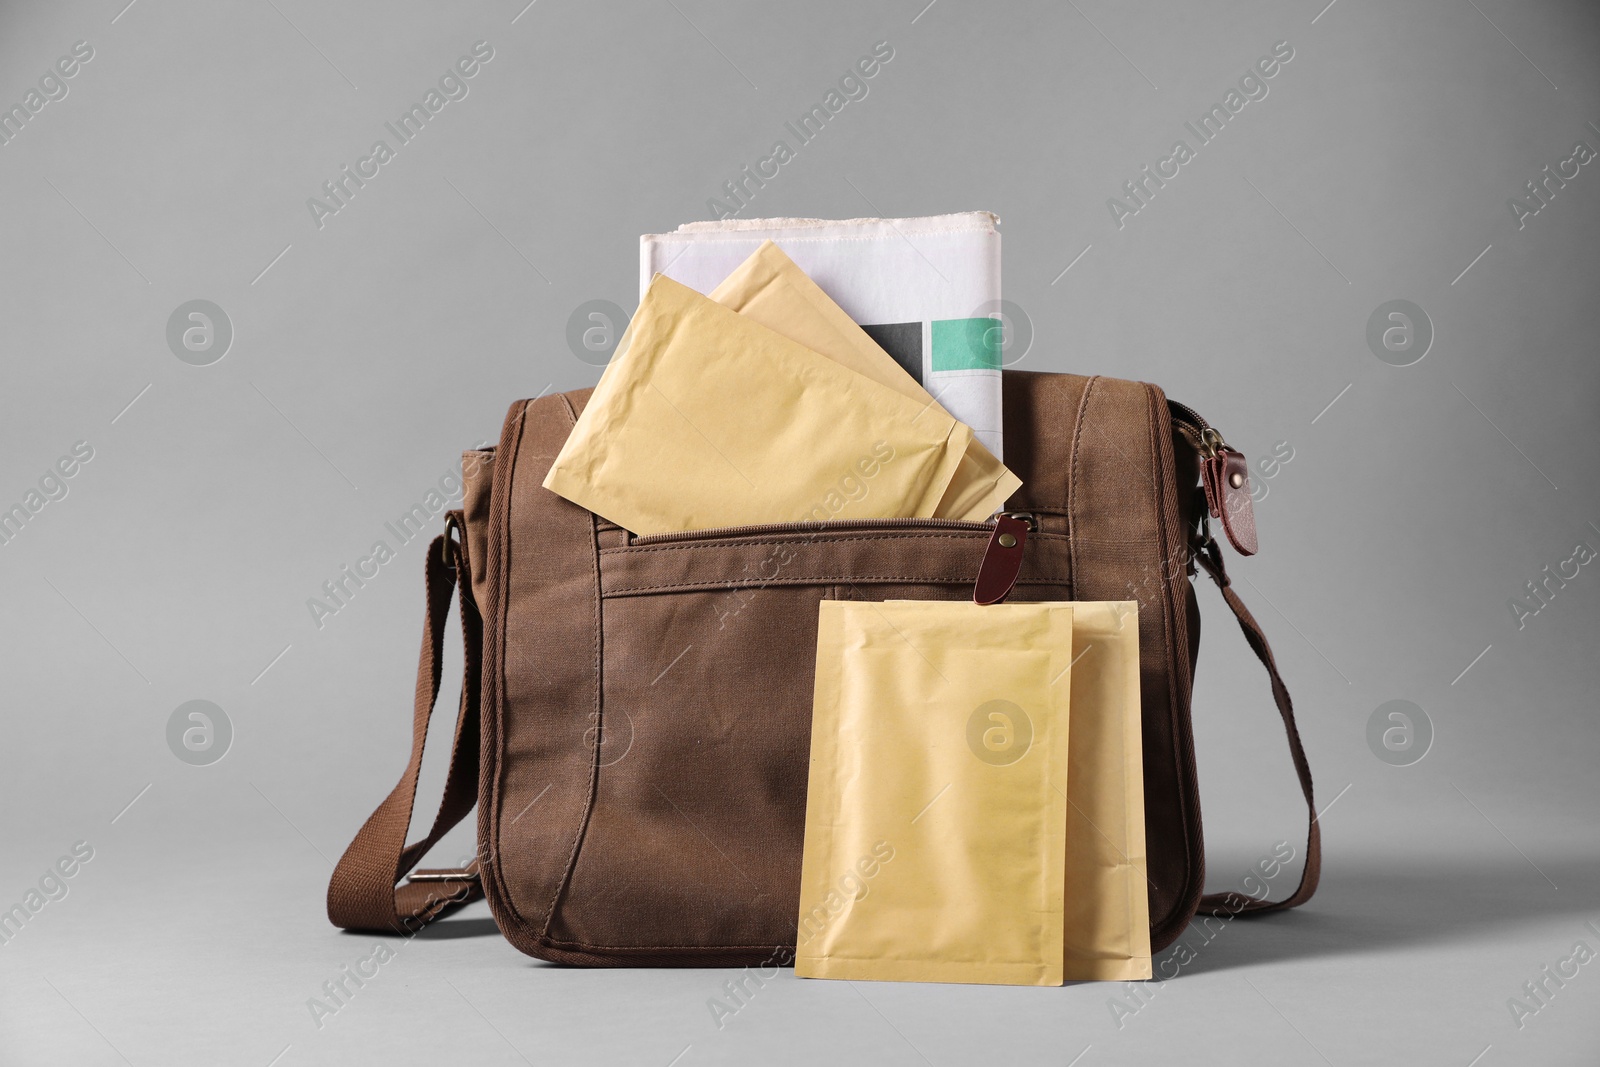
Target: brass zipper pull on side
point(1225, 476)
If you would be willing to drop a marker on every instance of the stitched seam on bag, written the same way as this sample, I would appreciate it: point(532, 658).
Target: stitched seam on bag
point(711, 585)
point(502, 610)
point(656, 949)
point(1074, 459)
point(798, 235)
point(497, 550)
point(491, 784)
point(1183, 752)
point(1167, 629)
point(1174, 713)
point(599, 690)
point(780, 539)
point(1175, 540)
point(1109, 541)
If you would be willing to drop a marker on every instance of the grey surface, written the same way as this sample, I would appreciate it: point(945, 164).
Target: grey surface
point(367, 353)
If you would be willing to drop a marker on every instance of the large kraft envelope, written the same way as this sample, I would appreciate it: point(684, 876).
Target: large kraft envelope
point(705, 418)
point(1106, 911)
point(769, 288)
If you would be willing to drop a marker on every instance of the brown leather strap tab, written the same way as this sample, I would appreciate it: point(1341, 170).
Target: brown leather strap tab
point(1226, 477)
point(1232, 903)
point(1002, 560)
point(363, 894)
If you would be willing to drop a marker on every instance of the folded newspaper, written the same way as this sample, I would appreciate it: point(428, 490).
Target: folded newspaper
point(927, 290)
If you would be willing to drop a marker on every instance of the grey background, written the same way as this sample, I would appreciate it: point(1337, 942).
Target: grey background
point(368, 353)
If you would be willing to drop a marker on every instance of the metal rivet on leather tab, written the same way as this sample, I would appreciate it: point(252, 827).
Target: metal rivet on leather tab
point(1236, 479)
point(1007, 541)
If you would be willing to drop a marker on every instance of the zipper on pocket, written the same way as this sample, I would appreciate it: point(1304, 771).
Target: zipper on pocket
point(1205, 438)
point(829, 526)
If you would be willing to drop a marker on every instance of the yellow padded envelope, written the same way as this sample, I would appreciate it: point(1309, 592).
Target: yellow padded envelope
point(936, 813)
point(1105, 905)
point(706, 418)
point(769, 288)
point(1107, 919)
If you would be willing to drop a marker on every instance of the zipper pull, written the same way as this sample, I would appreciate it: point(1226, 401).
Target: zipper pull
point(1226, 477)
point(1002, 559)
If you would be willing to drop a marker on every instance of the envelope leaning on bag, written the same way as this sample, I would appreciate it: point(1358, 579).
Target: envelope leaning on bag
point(912, 694)
point(936, 805)
point(769, 288)
point(705, 418)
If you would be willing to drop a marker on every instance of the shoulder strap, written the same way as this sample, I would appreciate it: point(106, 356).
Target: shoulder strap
point(1209, 557)
point(363, 893)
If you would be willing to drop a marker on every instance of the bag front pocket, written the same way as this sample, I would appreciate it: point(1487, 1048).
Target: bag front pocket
point(691, 850)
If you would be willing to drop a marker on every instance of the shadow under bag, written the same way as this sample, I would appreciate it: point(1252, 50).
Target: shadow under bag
point(634, 727)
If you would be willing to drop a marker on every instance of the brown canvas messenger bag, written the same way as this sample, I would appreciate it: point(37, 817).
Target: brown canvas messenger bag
point(634, 723)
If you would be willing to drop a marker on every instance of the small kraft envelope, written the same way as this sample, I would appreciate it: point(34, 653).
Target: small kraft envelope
point(769, 288)
point(705, 418)
point(936, 817)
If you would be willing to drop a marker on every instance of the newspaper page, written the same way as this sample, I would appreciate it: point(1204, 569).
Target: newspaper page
point(926, 289)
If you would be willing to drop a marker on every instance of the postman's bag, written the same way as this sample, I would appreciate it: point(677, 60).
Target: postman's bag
point(634, 724)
